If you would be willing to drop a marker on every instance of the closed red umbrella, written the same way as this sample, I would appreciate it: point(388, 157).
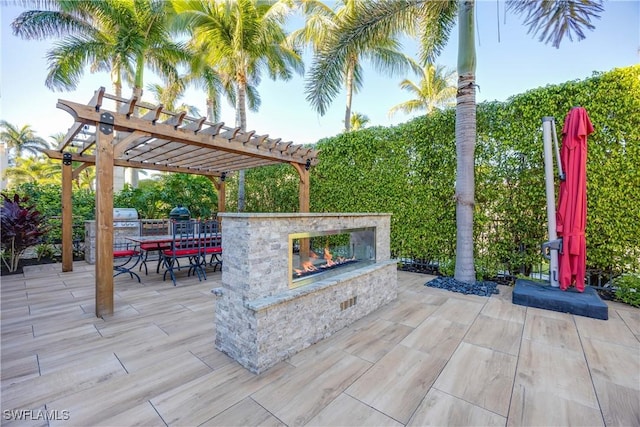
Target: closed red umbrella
point(571, 216)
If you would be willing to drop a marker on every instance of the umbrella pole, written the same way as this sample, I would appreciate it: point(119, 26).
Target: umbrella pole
point(553, 245)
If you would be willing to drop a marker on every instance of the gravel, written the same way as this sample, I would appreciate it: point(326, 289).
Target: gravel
point(483, 289)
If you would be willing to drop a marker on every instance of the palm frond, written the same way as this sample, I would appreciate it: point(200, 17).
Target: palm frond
point(553, 20)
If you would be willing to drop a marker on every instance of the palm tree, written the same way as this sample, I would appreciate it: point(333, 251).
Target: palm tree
point(243, 39)
point(358, 121)
point(169, 94)
point(436, 89)
point(32, 170)
point(322, 25)
point(21, 140)
point(432, 21)
point(121, 37)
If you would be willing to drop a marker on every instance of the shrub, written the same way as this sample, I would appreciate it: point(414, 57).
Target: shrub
point(22, 227)
point(627, 288)
point(45, 250)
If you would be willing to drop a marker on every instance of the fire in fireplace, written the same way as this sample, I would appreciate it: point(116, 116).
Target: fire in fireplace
point(316, 256)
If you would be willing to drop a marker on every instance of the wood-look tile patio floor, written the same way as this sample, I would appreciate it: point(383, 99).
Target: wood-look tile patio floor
point(431, 357)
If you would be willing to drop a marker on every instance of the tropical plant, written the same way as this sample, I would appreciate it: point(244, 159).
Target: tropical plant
point(30, 169)
point(432, 21)
point(242, 39)
point(323, 24)
point(22, 227)
point(169, 93)
point(359, 121)
point(21, 140)
point(436, 89)
point(627, 288)
point(121, 37)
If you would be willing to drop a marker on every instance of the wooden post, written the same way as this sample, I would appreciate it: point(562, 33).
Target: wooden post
point(67, 214)
point(104, 215)
point(303, 201)
point(303, 192)
point(221, 187)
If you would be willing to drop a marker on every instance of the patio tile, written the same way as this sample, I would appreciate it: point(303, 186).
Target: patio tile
point(57, 355)
point(437, 336)
point(496, 334)
point(535, 407)
point(409, 313)
point(374, 342)
point(620, 405)
point(556, 331)
point(197, 401)
point(479, 376)
point(19, 369)
point(349, 412)
point(33, 392)
point(133, 390)
point(397, 384)
point(463, 311)
point(549, 370)
point(302, 393)
point(504, 309)
point(613, 363)
point(142, 415)
point(614, 331)
point(631, 318)
point(442, 409)
point(245, 413)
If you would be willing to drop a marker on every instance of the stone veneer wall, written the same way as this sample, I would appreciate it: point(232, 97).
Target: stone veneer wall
point(259, 319)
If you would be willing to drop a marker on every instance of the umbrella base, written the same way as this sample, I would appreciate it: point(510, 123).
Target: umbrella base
point(540, 295)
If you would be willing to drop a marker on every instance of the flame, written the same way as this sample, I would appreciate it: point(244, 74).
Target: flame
point(306, 266)
point(328, 257)
point(312, 254)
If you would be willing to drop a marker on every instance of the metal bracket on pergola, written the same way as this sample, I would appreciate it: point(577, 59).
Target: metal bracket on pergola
point(111, 131)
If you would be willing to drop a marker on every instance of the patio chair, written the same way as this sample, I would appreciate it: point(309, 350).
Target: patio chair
point(211, 243)
point(184, 245)
point(153, 227)
point(125, 257)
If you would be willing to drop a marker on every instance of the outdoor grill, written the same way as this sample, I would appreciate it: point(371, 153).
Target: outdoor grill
point(180, 213)
point(126, 218)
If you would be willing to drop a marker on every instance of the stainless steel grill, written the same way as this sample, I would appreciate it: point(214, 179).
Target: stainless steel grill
point(126, 218)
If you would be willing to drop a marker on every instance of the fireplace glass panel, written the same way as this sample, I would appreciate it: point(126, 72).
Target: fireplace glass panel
point(319, 255)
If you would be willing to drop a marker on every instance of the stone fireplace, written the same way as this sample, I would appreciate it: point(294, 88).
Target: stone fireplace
point(270, 308)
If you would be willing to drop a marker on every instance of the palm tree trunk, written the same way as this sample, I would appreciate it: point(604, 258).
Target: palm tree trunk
point(465, 144)
point(241, 121)
point(349, 87)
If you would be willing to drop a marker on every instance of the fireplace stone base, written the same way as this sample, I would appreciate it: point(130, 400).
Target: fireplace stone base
point(259, 319)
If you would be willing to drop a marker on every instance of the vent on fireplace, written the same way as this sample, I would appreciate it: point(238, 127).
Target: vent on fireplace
point(348, 303)
point(315, 256)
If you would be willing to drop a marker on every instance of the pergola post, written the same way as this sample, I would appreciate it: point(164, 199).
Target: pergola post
point(67, 214)
point(104, 215)
point(304, 186)
point(220, 189)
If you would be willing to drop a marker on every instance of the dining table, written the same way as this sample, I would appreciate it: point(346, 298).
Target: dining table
point(169, 241)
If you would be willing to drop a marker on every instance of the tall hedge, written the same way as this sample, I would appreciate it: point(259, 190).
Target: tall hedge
point(409, 171)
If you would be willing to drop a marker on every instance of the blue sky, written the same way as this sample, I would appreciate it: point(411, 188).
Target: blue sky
point(514, 64)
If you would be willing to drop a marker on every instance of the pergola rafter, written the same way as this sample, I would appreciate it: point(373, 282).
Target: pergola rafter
point(110, 131)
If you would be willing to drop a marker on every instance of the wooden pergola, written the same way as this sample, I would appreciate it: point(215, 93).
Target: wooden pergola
point(111, 131)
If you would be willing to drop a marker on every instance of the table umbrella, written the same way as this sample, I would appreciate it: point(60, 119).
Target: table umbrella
point(571, 215)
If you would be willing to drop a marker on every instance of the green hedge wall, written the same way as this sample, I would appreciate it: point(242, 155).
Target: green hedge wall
point(409, 171)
